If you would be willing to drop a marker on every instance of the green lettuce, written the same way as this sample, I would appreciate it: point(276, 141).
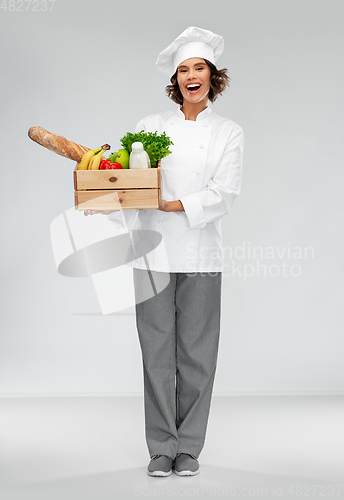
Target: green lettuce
point(155, 145)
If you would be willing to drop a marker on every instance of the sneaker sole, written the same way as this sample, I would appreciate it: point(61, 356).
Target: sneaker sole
point(186, 472)
point(159, 473)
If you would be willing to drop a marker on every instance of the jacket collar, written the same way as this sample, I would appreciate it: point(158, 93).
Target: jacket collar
point(203, 115)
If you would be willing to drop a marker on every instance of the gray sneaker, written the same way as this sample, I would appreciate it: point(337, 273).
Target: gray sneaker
point(160, 465)
point(186, 465)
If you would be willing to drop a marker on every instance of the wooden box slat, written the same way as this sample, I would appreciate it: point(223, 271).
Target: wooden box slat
point(116, 179)
point(116, 199)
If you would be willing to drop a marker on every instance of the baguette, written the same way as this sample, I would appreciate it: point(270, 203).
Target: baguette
point(57, 143)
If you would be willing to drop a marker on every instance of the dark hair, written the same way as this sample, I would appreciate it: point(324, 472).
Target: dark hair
point(219, 80)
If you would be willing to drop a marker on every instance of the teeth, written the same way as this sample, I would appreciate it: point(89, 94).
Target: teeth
point(193, 86)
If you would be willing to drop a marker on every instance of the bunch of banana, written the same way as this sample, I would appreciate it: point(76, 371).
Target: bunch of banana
point(92, 158)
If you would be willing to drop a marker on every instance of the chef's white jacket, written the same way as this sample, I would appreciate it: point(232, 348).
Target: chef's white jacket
point(204, 172)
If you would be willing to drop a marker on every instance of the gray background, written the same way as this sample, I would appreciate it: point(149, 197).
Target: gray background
point(86, 70)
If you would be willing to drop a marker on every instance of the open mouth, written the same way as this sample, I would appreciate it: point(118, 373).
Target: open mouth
point(193, 88)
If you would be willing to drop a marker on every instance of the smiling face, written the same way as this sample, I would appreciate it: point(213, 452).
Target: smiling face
point(193, 77)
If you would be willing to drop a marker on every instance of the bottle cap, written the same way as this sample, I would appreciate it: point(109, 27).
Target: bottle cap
point(137, 147)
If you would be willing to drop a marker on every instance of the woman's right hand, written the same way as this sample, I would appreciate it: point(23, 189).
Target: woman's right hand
point(103, 212)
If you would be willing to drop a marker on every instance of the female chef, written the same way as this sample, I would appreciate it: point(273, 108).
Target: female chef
point(179, 325)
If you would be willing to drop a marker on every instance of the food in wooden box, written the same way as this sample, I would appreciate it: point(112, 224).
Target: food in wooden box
point(57, 143)
point(115, 189)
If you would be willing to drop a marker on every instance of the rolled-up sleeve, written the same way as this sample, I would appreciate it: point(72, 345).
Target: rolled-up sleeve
point(217, 199)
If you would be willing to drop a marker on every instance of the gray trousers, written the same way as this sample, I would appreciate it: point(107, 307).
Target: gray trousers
point(179, 332)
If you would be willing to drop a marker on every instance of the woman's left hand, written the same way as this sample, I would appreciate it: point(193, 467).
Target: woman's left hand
point(164, 206)
point(171, 206)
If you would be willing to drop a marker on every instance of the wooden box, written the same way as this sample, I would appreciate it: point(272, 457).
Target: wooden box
point(117, 188)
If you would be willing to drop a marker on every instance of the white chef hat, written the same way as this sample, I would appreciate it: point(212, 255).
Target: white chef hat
point(193, 42)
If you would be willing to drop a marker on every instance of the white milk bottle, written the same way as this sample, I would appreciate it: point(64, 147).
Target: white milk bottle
point(138, 156)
